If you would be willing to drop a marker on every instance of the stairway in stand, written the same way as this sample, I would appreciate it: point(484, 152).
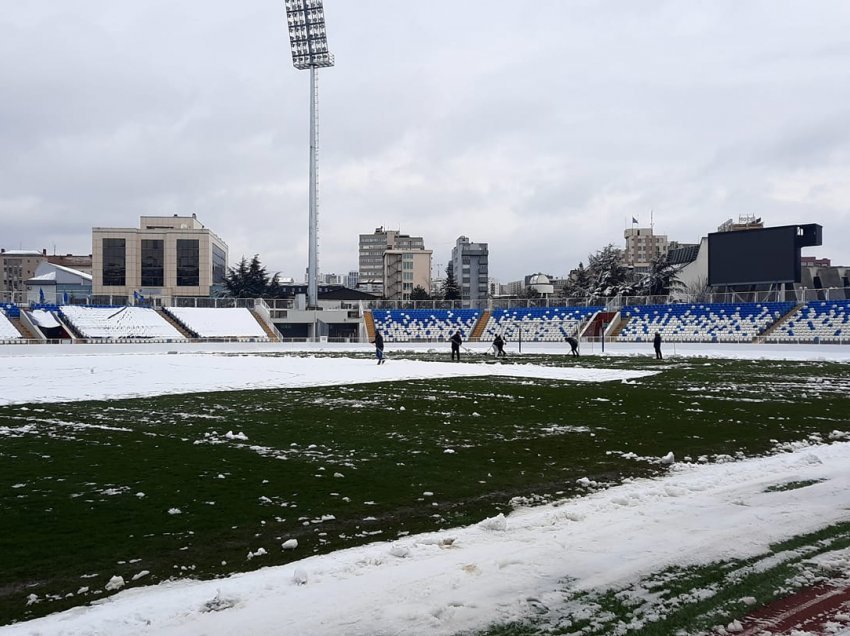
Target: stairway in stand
point(171, 320)
point(776, 325)
point(271, 333)
point(370, 325)
point(475, 336)
point(22, 328)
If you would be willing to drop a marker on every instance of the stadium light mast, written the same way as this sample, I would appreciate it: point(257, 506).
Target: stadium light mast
point(309, 43)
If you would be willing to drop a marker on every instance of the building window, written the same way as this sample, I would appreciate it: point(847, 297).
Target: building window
point(153, 263)
point(114, 262)
point(188, 263)
point(219, 265)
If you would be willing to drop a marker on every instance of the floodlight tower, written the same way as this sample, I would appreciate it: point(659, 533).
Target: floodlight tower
point(309, 44)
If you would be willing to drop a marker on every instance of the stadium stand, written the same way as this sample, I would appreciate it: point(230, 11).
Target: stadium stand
point(44, 318)
point(719, 322)
point(7, 329)
point(539, 324)
point(405, 325)
point(116, 323)
point(218, 323)
point(816, 321)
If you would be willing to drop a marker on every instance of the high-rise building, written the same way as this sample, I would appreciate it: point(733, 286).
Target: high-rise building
point(643, 246)
point(471, 269)
point(18, 266)
point(373, 246)
point(352, 279)
point(165, 256)
point(404, 270)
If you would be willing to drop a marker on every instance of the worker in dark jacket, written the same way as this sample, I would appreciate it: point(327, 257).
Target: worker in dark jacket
point(499, 345)
point(456, 341)
point(656, 342)
point(379, 347)
point(573, 345)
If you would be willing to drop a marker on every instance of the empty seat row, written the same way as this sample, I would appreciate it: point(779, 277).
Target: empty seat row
point(816, 321)
point(708, 322)
point(537, 324)
point(405, 325)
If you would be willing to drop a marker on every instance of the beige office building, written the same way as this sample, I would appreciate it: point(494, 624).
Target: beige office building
point(166, 256)
point(643, 246)
point(405, 270)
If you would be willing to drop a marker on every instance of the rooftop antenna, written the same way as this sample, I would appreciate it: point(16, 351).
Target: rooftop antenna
point(309, 43)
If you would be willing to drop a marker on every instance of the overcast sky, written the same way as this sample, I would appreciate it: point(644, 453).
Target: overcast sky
point(540, 127)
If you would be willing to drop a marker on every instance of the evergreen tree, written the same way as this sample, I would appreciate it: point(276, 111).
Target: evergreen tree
point(249, 280)
point(274, 290)
point(659, 279)
point(419, 293)
point(528, 292)
point(608, 273)
point(578, 283)
point(258, 279)
point(235, 278)
point(451, 291)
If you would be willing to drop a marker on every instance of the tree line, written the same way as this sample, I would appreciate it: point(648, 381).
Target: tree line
point(607, 275)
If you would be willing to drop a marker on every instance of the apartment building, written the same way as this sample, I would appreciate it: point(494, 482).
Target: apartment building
point(643, 246)
point(372, 248)
point(471, 269)
point(404, 270)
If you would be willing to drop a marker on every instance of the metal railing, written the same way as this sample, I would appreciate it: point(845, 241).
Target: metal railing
point(613, 303)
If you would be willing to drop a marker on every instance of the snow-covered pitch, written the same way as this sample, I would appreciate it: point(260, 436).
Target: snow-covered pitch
point(459, 579)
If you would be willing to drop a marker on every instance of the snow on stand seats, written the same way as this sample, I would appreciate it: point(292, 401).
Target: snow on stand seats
point(118, 323)
point(7, 329)
point(229, 322)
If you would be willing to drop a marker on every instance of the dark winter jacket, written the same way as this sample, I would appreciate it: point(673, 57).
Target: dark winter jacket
point(656, 342)
point(456, 339)
point(379, 341)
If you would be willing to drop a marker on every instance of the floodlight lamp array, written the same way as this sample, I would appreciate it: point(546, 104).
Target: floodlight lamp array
point(307, 34)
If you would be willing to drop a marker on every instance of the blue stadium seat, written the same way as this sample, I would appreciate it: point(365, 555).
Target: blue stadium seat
point(701, 322)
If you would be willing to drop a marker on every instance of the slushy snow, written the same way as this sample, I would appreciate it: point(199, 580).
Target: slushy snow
point(493, 571)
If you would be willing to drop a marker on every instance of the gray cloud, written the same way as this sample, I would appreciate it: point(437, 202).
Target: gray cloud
point(540, 131)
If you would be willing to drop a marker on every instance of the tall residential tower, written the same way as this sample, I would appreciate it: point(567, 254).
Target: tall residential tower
point(471, 269)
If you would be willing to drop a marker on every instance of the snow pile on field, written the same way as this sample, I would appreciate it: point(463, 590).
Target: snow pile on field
point(499, 569)
point(7, 329)
point(119, 322)
point(104, 376)
point(219, 323)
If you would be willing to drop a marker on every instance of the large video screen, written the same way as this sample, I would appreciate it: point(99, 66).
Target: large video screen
point(769, 255)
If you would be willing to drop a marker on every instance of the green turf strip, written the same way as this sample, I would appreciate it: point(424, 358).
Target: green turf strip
point(87, 487)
